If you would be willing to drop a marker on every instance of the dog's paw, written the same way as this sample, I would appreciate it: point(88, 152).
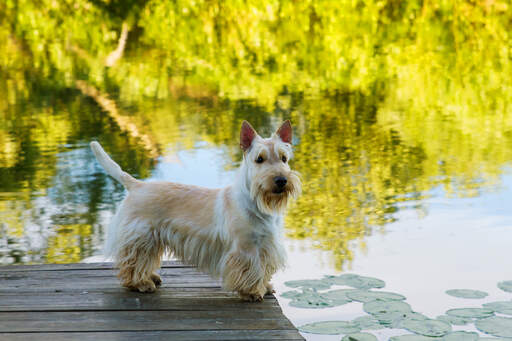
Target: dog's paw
point(270, 289)
point(156, 279)
point(251, 297)
point(146, 286)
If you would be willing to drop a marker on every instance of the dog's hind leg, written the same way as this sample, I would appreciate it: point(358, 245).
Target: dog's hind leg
point(156, 279)
point(138, 260)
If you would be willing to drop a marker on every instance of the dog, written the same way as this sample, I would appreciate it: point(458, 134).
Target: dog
point(233, 233)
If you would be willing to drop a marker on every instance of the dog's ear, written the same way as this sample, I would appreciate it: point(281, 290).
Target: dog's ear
point(285, 132)
point(247, 134)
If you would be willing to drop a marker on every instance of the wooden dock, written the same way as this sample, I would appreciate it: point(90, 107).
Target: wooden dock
point(85, 302)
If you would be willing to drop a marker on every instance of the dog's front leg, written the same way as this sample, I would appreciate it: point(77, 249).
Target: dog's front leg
point(243, 273)
point(269, 288)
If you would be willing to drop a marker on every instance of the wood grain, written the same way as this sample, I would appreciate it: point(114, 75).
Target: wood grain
point(85, 302)
point(194, 335)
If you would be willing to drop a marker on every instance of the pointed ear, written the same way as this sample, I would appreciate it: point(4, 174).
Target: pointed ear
point(247, 134)
point(285, 132)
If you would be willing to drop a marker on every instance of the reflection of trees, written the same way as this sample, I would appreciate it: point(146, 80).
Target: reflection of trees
point(409, 95)
point(49, 192)
point(355, 173)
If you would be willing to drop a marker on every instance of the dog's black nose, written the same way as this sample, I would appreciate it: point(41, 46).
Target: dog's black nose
point(280, 181)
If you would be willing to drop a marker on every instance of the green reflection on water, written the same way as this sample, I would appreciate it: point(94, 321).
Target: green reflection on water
point(389, 99)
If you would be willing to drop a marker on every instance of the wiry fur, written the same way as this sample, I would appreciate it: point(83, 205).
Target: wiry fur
point(233, 232)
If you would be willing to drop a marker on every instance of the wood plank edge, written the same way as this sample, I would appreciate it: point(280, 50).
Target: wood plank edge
point(80, 266)
point(227, 334)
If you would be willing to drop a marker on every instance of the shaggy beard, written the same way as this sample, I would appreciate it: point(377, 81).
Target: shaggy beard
point(272, 203)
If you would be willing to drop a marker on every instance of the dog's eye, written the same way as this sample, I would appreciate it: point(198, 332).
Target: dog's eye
point(259, 159)
point(284, 158)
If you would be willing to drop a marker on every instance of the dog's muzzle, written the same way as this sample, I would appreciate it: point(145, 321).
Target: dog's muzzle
point(280, 182)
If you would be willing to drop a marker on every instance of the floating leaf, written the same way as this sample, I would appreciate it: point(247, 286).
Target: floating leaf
point(505, 286)
point(412, 337)
point(500, 307)
point(311, 304)
point(330, 327)
point(495, 325)
point(368, 296)
point(374, 307)
point(355, 281)
point(340, 294)
point(394, 319)
point(291, 294)
point(467, 293)
point(359, 337)
point(368, 323)
point(415, 316)
point(427, 327)
point(313, 300)
point(317, 284)
point(470, 312)
point(461, 336)
point(458, 321)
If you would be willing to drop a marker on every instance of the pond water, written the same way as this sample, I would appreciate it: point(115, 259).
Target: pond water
point(368, 205)
point(402, 132)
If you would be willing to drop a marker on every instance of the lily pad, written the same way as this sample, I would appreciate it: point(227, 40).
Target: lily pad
point(391, 313)
point(330, 328)
point(313, 300)
point(368, 296)
point(504, 307)
point(467, 293)
point(427, 327)
point(412, 337)
point(461, 336)
point(359, 337)
point(291, 294)
point(367, 323)
point(338, 295)
point(355, 281)
point(470, 312)
point(457, 321)
point(311, 304)
point(394, 319)
point(374, 307)
point(495, 325)
point(505, 286)
point(317, 284)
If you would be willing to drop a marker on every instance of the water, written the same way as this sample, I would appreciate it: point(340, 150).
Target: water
point(402, 131)
point(460, 243)
point(357, 213)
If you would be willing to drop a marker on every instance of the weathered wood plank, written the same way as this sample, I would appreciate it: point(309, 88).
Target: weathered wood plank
point(161, 300)
point(86, 302)
point(74, 274)
point(101, 287)
point(85, 321)
point(79, 266)
point(282, 335)
point(62, 280)
point(180, 291)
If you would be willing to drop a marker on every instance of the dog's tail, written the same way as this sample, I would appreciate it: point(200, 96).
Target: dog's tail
point(111, 167)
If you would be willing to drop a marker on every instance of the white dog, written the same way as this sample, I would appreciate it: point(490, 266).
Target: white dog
point(232, 232)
